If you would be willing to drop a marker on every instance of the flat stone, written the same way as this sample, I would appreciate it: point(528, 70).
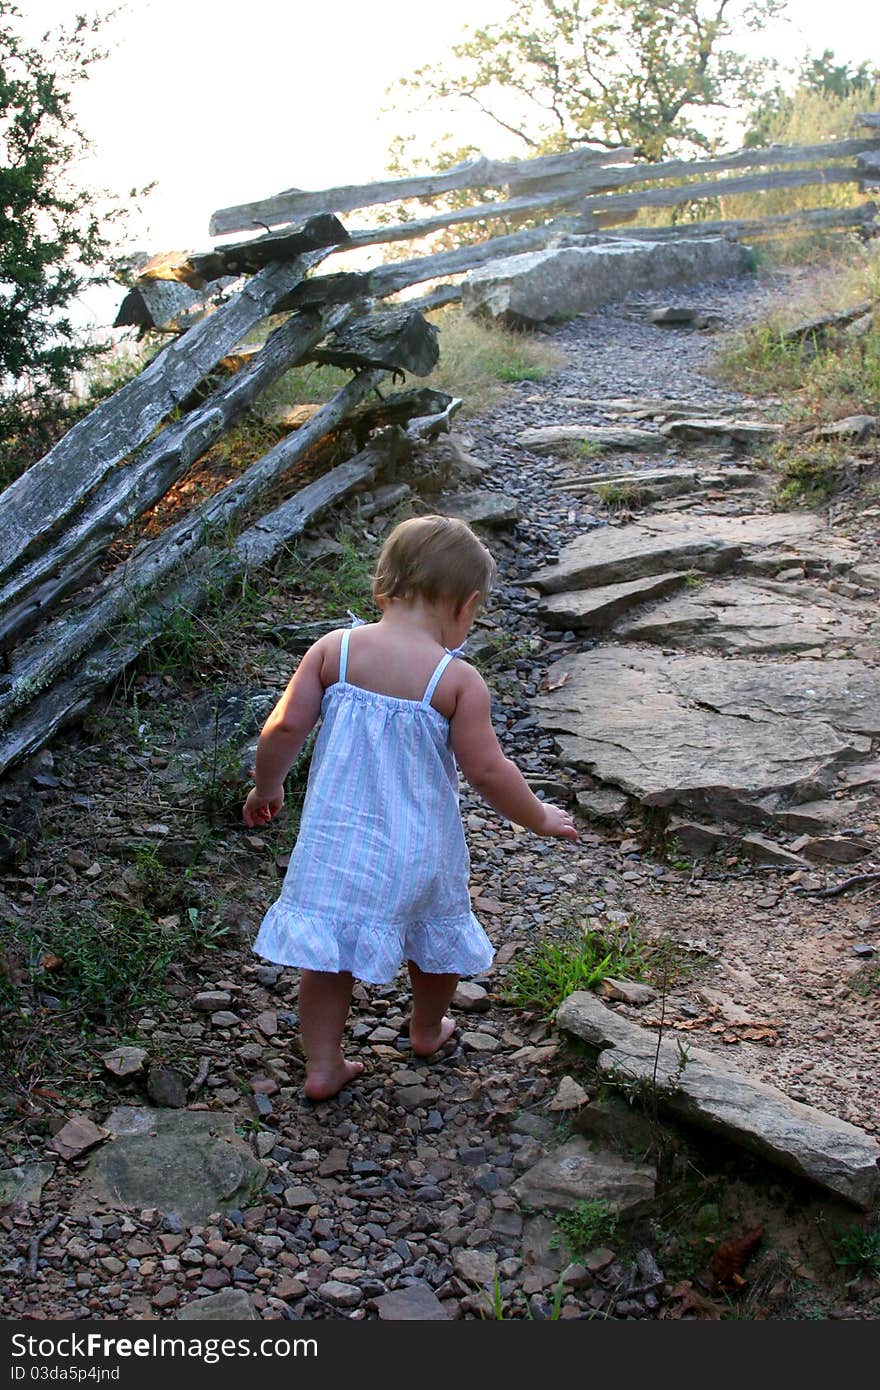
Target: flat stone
point(602, 804)
point(627, 991)
point(660, 544)
point(300, 1196)
point(715, 736)
point(77, 1136)
point(542, 1246)
point(480, 1042)
point(125, 1061)
point(24, 1183)
point(811, 816)
point(166, 1086)
point(766, 851)
point(190, 1161)
point(411, 1097)
point(832, 849)
point(570, 1095)
point(210, 1000)
point(415, 1303)
point(476, 1266)
point(825, 1150)
point(556, 283)
point(585, 441)
point(741, 616)
point(496, 510)
point(470, 997)
point(856, 428)
point(229, 1305)
point(336, 1161)
point(616, 1123)
point(594, 609)
point(341, 1294)
point(741, 431)
point(578, 1171)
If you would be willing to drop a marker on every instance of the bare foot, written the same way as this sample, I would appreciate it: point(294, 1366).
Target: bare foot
point(427, 1040)
point(323, 1083)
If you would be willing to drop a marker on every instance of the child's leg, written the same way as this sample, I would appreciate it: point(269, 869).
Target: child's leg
point(429, 1028)
point(324, 1001)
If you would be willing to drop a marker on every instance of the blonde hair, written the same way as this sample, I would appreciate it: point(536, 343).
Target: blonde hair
point(436, 558)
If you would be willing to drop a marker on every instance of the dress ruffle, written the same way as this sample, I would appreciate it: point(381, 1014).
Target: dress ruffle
point(372, 952)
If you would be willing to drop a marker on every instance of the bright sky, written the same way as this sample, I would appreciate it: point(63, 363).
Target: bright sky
point(223, 101)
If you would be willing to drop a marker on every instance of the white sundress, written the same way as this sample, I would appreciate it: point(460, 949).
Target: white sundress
point(379, 872)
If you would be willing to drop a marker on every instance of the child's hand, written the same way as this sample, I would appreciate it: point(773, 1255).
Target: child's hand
point(259, 810)
point(558, 823)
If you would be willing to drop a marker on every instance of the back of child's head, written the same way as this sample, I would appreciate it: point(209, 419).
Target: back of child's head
point(437, 558)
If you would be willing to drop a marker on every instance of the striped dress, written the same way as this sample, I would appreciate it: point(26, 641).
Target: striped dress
point(379, 872)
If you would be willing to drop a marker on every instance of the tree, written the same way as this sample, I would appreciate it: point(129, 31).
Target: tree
point(55, 239)
point(644, 73)
point(832, 83)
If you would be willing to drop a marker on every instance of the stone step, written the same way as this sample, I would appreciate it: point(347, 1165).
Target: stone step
point(586, 441)
point(704, 1090)
point(594, 609)
point(714, 736)
point(726, 428)
point(738, 615)
point(676, 541)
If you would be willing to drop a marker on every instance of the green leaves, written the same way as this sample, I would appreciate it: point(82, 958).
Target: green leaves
point(559, 73)
point(55, 238)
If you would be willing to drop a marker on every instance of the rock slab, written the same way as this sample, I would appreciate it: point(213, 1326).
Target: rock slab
point(229, 1305)
point(24, 1183)
point(821, 1148)
point(715, 735)
point(580, 1171)
point(676, 541)
point(553, 284)
point(191, 1162)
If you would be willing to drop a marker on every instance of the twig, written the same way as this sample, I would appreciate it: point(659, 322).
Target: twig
point(34, 1247)
point(839, 887)
point(200, 1077)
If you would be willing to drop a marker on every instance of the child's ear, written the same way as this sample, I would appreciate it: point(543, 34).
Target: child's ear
point(471, 604)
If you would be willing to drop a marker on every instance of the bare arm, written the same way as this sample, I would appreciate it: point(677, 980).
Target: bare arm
point(283, 735)
point(494, 776)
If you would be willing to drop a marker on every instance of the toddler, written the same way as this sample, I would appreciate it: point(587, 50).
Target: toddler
point(379, 872)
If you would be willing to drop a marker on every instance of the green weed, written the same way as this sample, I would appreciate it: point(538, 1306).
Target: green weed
point(587, 1225)
point(857, 1250)
point(554, 970)
point(807, 475)
point(588, 449)
point(344, 582)
point(478, 359)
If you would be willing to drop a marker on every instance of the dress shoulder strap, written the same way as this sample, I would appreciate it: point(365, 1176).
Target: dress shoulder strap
point(343, 655)
point(438, 672)
point(343, 651)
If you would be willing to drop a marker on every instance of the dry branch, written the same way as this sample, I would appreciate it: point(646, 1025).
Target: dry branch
point(247, 257)
point(388, 279)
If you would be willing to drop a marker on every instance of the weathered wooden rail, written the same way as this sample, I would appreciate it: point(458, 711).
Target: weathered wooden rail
point(66, 628)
